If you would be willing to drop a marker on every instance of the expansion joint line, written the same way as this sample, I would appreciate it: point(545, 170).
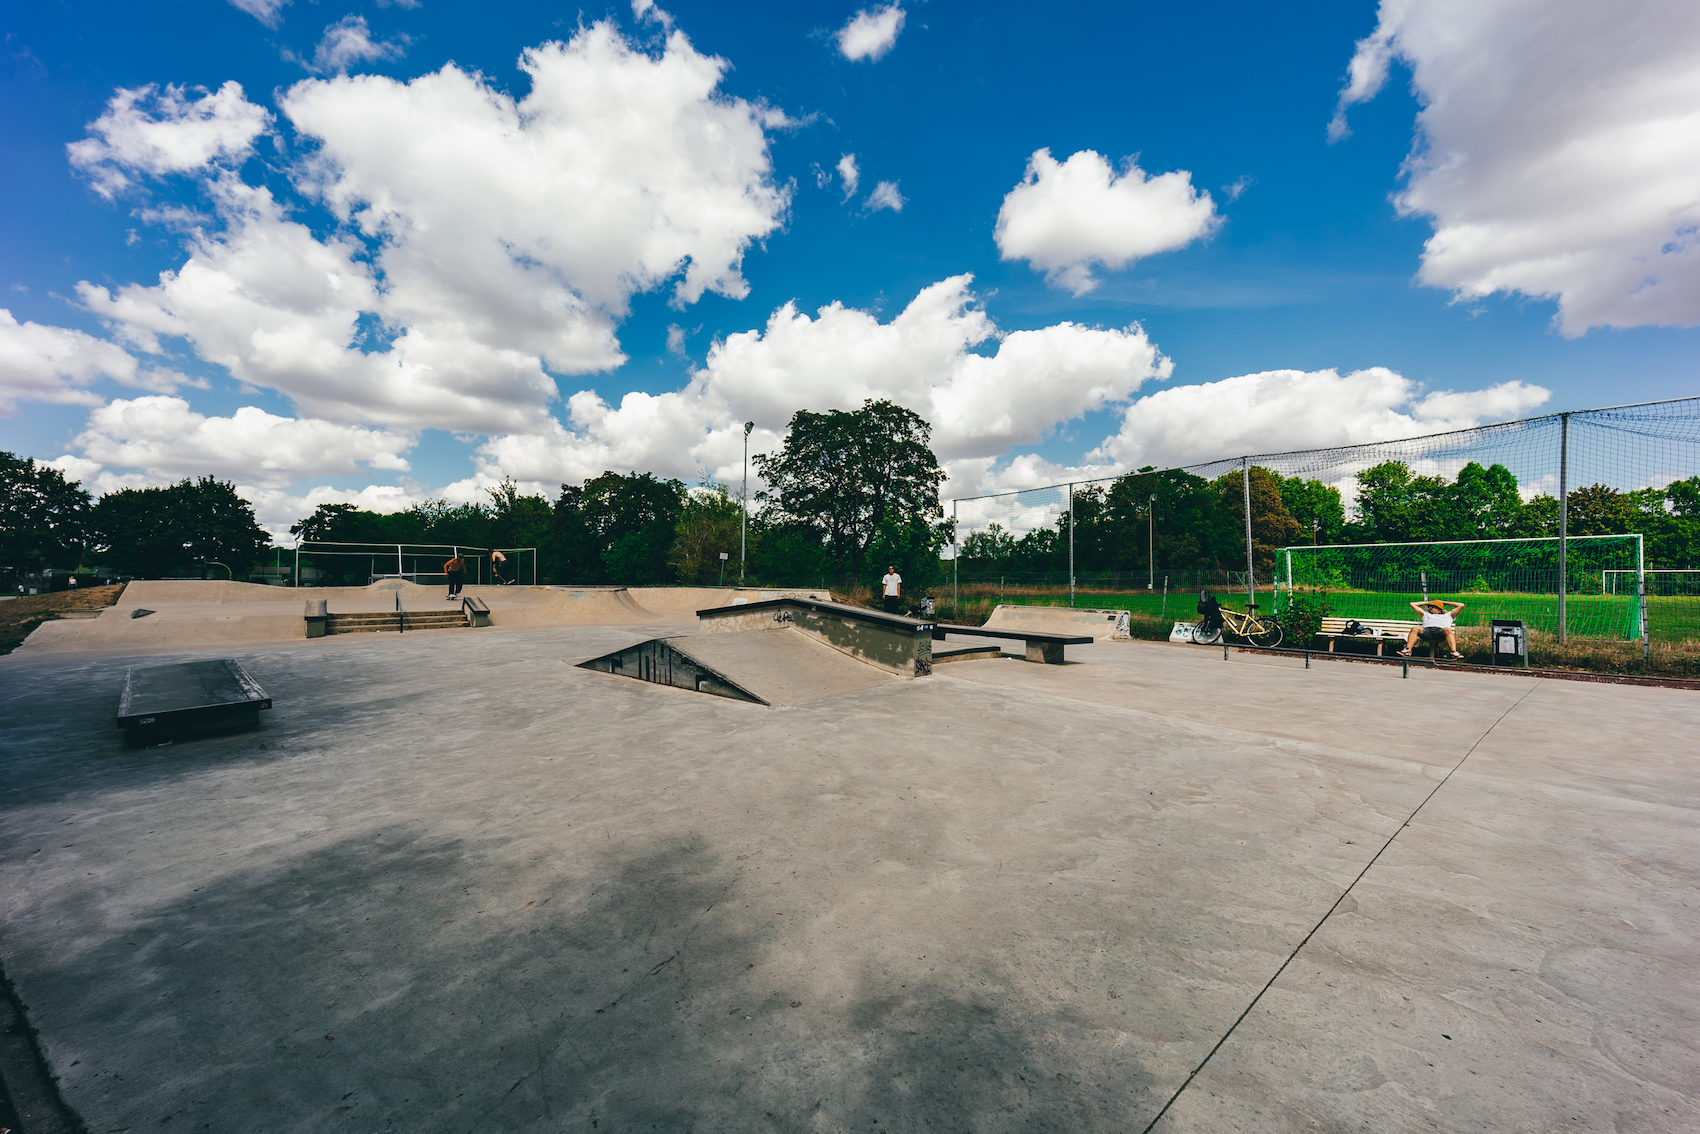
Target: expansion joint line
point(1321, 921)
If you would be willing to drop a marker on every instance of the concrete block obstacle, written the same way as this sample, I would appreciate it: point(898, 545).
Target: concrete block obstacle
point(780, 651)
point(186, 697)
point(765, 669)
point(664, 661)
point(891, 642)
point(318, 611)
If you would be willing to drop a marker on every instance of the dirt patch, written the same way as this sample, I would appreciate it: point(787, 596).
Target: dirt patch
point(20, 616)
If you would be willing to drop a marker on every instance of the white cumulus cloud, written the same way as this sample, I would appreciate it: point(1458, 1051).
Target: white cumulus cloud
point(147, 130)
point(871, 32)
point(850, 174)
point(484, 239)
point(1557, 151)
point(41, 363)
point(1067, 217)
point(1280, 410)
point(884, 196)
point(268, 12)
point(166, 439)
point(347, 42)
point(926, 358)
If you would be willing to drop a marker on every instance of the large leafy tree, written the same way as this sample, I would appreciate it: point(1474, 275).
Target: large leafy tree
point(1316, 507)
point(616, 528)
point(179, 529)
point(43, 517)
point(855, 477)
point(708, 526)
point(1272, 526)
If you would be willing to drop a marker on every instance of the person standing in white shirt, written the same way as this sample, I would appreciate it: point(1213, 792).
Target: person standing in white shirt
point(892, 585)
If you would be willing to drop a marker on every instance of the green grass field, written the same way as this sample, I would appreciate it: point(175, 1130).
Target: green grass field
point(1673, 619)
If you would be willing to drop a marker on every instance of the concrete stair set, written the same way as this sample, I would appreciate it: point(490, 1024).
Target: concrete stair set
point(375, 621)
point(321, 621)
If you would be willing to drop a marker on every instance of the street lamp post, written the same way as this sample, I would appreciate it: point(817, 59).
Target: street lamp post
point(744, 507)
point(1151, 539)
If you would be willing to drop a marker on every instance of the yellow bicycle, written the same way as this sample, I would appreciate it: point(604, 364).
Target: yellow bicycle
point(1259, 630)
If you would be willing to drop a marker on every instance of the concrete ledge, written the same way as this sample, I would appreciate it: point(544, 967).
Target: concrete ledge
point(900, 645)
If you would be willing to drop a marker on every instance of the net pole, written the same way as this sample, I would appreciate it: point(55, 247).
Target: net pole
point(1563, 522)
point(1071, 546)
point(298, 563)
point(1245, 483)
point(955, 564)
point(1641, 597)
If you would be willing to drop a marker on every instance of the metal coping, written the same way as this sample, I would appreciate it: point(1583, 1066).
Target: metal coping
point(897, 621)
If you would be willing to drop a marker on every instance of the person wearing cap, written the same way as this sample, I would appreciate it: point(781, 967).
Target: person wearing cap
point(1438, 625)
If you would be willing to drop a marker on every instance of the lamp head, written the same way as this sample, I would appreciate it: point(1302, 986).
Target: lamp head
point(748, 425)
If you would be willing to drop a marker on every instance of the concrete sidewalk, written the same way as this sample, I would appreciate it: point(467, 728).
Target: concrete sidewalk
point(479, 888)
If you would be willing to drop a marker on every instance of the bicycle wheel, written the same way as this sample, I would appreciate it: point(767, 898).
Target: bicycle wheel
point(1203, 637)
point(1265, 632)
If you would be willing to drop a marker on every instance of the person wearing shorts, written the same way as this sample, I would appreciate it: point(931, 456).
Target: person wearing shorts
point(1438, 626)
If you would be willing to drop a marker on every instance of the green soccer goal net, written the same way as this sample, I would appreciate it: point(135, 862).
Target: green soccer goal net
point(1493, 578)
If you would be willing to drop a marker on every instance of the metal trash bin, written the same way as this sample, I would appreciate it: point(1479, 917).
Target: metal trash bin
point(1510, 641)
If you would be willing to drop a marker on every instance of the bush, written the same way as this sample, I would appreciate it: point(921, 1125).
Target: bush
point(1302, 620)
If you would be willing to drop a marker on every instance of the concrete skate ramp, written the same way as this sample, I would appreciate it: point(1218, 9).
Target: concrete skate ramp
point(1100, 624)
point(183, 626)
point(157, 593)
point(689, 600)
point(532, 607)
point(782, 667)
point(683, 600)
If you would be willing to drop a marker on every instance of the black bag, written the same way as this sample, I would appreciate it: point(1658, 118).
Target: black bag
point(1356, 627)
point(1210, 611)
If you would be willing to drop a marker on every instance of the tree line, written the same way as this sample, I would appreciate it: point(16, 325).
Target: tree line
point(1196, 523)
point(848, 493)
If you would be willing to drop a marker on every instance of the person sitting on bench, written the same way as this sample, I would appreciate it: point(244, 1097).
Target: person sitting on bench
point(1438, 625)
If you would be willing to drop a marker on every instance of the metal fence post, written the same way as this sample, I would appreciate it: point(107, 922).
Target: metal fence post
point(1071, 546)
point(1563, 525)
point(955, 560)
point(1641, 599)
point(1250, 583)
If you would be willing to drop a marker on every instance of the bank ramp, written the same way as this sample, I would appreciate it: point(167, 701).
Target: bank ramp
point(766, 668)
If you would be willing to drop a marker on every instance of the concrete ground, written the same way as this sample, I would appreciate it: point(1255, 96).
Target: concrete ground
point(454, 883)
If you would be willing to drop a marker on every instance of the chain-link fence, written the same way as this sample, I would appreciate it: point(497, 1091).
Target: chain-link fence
point(1620, 469)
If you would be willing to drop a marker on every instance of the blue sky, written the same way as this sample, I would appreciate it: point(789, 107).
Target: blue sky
point(1199, 268)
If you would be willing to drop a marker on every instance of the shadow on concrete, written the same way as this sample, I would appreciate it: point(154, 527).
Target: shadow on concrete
point(459, 984)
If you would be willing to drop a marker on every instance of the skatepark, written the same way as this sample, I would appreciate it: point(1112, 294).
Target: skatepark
point(454, 880)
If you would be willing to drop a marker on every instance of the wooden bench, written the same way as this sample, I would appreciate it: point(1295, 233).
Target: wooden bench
point(1045, 648)
point(1383, 631)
